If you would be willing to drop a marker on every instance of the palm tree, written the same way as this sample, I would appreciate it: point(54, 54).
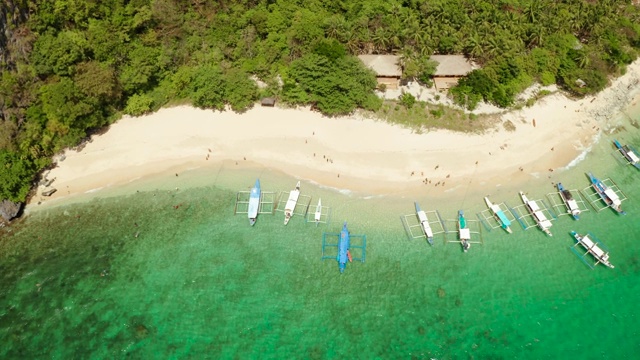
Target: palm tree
point(473, 47)
point(581, 58)
point(535, 36)
point(335, 26)
point(492, 46)
point(533, 12)
point(381, 40)
point(353, 44)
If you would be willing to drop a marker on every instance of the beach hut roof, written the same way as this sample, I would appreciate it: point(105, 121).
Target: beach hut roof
point(452, 65)
point(383, 65)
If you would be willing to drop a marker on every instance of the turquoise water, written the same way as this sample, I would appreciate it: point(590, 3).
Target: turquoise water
point(198, 282)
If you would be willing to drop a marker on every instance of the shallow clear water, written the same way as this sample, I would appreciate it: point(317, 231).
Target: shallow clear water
point(198, 282)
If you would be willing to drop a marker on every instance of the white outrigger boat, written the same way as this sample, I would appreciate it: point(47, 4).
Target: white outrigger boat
point(505, 223)
point(463, 232)
point(543, 223)
point(254, 203)
point(592, 247)
point(424, 223)
point(569, 202)
point(291, 203)
point(318, 213)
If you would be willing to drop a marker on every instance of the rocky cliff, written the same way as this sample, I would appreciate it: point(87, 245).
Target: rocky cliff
point(13, 13)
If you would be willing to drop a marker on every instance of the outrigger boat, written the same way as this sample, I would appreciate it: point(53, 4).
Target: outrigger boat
point(629, 153)
point(424, 223)
point(291, 203)
point(592, 247)
point(569, 201)
point(543, 223)
point(343, 248)
point(254, 203)
point(505, 223)
point(463, 232)
point(607, 194)
point(318, 213)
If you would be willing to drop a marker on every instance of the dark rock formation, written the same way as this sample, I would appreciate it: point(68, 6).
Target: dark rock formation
point(9, 209)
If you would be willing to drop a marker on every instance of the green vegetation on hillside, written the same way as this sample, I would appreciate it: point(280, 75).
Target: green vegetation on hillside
point(75, 66)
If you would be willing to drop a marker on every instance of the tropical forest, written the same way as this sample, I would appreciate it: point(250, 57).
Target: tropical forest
point(70, 68)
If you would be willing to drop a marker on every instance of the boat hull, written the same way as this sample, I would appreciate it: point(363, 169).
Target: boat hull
point(254, 203)
point(291, 203)
point(318, 215)
point(463, 232)
point(343, 248)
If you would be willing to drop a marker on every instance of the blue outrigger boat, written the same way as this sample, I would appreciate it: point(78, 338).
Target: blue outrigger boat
point(505, 223)
point(607, 194)
point(254, 203)
point(569, 202)
point(463, 232)
point(629, 153)
point(343, 248)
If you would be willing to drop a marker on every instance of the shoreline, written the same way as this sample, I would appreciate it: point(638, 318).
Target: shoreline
point(343, 153)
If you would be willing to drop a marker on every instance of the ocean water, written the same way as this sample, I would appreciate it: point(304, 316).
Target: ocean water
point(155, 272)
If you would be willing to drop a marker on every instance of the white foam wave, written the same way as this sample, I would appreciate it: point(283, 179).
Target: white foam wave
point(341, 191)
point(583, 153)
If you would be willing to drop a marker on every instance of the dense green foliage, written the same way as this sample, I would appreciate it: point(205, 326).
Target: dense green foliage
point(74, 66)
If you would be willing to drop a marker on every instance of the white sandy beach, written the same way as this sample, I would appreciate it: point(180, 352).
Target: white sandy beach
point(349, 153)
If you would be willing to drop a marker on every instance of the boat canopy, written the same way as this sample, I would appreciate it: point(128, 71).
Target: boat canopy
point(533, 205)
point(612, 196)
point(503, 218)
point(632, 156)
point(573, 205)
point(593, 248)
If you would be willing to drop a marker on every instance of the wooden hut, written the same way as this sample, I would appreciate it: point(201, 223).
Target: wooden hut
point(386, 67)
point(451, 68)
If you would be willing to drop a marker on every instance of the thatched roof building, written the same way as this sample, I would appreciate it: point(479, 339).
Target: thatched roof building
point(386, 67)
point(450, 69)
